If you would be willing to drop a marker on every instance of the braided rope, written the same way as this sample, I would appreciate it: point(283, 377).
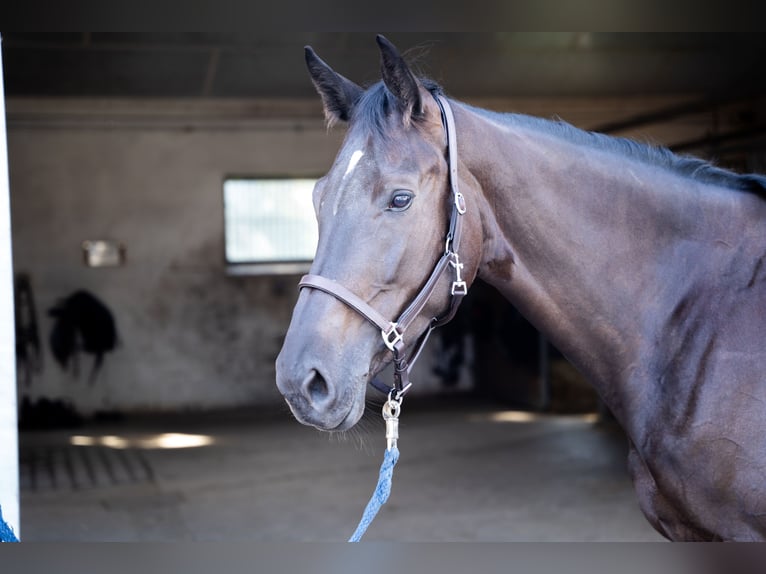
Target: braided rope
point(6, 532)
point(380, 495)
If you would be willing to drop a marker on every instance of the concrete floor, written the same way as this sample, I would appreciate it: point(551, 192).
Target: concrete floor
point(468, 471)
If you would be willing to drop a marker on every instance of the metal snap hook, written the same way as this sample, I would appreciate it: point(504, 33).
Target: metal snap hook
point(391, 410)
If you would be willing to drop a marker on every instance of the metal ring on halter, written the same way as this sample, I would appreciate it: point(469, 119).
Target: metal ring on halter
point(391, 337)
point(392, 408)
point(448, 244)
point(399, 393)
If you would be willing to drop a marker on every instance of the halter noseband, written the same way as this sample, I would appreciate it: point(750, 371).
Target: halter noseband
point(392, 332)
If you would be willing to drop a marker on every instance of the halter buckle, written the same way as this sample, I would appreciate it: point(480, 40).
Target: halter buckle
point(391, 337)
point(459, 286)
point(460, 203)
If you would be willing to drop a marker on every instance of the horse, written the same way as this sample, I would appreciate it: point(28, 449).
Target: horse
point(646, 269)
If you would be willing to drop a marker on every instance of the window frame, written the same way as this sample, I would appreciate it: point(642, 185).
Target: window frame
point(256, 266)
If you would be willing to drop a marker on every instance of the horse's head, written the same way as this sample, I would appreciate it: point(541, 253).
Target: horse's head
point(383, 212)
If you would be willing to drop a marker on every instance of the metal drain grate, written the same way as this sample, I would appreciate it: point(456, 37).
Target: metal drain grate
point(44, 468)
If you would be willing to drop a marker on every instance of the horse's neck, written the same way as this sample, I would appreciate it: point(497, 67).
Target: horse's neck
point(589, 235)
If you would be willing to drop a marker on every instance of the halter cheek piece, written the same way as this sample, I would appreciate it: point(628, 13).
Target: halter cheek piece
point(392, 332)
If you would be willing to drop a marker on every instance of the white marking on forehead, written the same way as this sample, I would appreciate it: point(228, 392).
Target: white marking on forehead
point(355, 157)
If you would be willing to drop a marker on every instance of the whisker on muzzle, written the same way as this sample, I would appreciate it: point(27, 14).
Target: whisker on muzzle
point(369, 432)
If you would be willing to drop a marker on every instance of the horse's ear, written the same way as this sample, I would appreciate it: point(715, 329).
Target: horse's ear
point(398, 78)
point(339, 95)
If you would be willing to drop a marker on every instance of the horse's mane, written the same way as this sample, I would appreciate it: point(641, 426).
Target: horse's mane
point(377, 103)
point(685, 165)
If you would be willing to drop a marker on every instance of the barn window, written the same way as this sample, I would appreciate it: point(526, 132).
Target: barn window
point(270, 225)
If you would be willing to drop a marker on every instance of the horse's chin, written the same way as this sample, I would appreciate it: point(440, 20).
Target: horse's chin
point(353, 417)
point(334, 420)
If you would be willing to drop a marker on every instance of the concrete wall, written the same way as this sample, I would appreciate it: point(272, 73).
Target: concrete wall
point(190, 336)
point(149, 174)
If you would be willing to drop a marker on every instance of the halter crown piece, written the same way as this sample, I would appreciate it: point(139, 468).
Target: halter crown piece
point(393, 332)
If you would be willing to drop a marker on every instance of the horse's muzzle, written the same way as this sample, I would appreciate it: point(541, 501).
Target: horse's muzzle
point(313, 400)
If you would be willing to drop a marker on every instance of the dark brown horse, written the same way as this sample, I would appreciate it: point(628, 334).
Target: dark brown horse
point(647, 270)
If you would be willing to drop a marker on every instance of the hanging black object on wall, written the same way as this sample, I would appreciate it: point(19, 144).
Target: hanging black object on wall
point(82, 323)
point(29, 357)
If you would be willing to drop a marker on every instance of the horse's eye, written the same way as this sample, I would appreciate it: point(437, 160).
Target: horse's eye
point(400, 201)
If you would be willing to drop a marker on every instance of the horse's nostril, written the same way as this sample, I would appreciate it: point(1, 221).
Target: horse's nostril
point(315, 387)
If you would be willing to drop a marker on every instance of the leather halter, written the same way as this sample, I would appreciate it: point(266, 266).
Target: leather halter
point(393, 332)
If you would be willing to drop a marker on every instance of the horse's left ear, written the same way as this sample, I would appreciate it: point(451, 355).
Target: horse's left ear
point(339, 95)
point(398, 78)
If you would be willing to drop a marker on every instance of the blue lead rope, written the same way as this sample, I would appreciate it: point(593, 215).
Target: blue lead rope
point(379, 497)
point(6, 532)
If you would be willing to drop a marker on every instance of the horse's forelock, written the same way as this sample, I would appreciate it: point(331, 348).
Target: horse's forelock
point(378, 103)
